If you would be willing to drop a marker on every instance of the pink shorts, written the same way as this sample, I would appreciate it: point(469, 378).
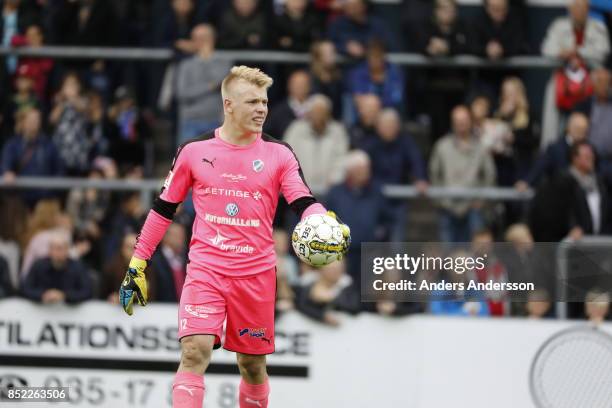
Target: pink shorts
point(209, 298)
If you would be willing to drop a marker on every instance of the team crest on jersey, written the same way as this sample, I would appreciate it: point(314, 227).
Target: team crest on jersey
point(231, 209)
point(258, 165)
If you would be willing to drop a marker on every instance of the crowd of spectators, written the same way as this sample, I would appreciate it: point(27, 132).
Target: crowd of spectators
point(347, 123)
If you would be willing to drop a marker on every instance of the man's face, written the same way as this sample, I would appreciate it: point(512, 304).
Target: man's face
point(354, 9)
point(31, 123)
point(579, 11)
point(299, 86)
point(247, 106)
point(202, 35)
point(319, 114)
point(58, 252)
point(245, 7)
point(388, 126)
point(578, 128)
point(497, 10)
point(584, 161)
point(462, 122)
point(368, 108)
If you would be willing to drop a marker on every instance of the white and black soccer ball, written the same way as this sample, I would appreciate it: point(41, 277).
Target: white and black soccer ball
point(318, 240)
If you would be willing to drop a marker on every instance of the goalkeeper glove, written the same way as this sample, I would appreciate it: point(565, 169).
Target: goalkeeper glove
point(346, 232)
point(134, 285)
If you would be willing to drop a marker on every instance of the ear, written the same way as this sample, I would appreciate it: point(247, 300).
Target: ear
point(227, 104)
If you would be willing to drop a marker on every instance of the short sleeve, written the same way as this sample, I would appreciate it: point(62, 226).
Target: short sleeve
point(179, 178)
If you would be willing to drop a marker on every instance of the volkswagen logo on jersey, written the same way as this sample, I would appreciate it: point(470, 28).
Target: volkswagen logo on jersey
point(258, 165)
point(231, 209)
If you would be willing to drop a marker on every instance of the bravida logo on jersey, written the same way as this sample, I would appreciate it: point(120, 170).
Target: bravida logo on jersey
point(258, 165)
point(234, 178)
point(231, 209)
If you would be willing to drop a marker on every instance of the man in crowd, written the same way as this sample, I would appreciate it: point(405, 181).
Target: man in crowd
point(198, 83)
point(58, 279)
point(460, 160)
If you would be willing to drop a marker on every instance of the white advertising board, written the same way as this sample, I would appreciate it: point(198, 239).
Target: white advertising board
point(109, 359)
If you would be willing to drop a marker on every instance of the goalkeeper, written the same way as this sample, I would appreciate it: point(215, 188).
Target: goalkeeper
point(236, 174)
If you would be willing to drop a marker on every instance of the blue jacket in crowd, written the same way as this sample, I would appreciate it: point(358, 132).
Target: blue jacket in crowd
point(38, 157)
point(390, 92)
point(552, 161)
point(73, 279)
point(343, 30)
point(396, 162)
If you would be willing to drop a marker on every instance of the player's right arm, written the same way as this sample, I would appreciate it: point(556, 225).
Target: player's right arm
point(177, 184)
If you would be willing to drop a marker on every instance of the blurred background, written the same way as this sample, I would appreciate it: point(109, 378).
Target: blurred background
point(415, 120)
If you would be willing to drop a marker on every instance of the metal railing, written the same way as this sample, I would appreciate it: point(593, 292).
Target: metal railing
point(150, 186)
point(166, 54)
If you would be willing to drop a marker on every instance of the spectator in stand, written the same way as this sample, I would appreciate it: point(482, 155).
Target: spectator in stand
point(41, 231)
point(169, 263)
point(556, 157)
point(58, 279)
point(297, 27)
point(514, 110)
point(30, 153)
point(497, 137)
point(320, 143)
point(127, 220)
point(571, 39)
point(538, 304)
point(444, 35)
point(395, 160)
point(113, 271)
point(98, 127)
point(86, 23)
point(460, 160)
point(69, 120)
point(599, 111)
point(326, 76)
point(500, 33)
point(326, 291)
point(363, 131)
point(243, 26)
point(292, 108)
point(175, 26)
point(359, 202)
point(352, 31)
point(12, 227)
point(6, 286)
point(16, 16)
point(378, 76)
point(130, 131)
point(493, 270)
point(38, 69)
point(458, 302)
point(87, 209)
point(597, 306)
point(413, 14)
point(198, 86)
point(23, 98)
point(585, 209)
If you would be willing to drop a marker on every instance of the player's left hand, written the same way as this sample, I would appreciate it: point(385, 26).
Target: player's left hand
point(134, 286)
point(346, 231)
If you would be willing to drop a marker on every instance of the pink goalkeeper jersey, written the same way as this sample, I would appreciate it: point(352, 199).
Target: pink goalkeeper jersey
point(235, 194)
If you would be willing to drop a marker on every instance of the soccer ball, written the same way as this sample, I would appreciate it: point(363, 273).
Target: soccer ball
point(318, 240)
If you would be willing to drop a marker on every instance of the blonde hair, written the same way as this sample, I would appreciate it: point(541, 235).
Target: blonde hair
point(253, 76)
point(520, 119)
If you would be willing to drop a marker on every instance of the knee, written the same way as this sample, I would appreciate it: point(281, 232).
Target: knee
point(252, 366)
point(195, 353)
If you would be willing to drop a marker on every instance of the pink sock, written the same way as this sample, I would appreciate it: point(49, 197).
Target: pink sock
point(187, 390)
point(254, 395)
